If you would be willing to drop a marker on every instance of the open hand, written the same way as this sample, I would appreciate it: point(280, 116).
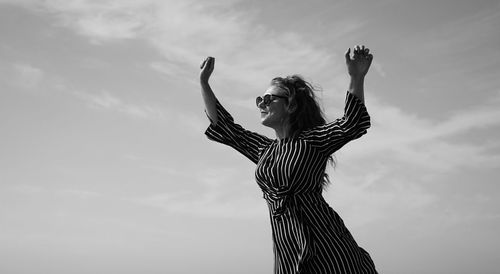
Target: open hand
point(358, 65)
point(207, 67)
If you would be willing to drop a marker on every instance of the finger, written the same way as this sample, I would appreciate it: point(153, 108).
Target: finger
point(210, 62)
point(367, 50)
point(348, 55)
point(206, 62)
point(203, 63)
point(364, 50)
point(356, 49)
point(359, 51)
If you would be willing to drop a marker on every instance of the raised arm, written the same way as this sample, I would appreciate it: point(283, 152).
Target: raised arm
point(207, 67)
point(357, 67)
point(223, 129)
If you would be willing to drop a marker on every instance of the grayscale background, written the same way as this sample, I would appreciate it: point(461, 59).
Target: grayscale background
point(104, 167)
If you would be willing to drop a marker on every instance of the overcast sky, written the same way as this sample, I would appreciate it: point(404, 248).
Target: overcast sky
point(104, 167)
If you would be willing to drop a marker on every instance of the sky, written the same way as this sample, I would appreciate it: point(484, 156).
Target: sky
point(104, 166)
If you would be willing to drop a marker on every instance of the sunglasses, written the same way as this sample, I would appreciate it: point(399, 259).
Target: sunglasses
point(267, 99)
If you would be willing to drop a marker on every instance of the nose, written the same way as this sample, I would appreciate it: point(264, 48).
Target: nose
point(261, 105)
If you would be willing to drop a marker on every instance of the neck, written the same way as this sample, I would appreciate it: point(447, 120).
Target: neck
point(282, 132)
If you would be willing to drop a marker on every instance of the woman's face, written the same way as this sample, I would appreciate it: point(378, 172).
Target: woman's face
point(274, 114)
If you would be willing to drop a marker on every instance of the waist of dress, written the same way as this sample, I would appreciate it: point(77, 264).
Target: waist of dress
point(283, 198)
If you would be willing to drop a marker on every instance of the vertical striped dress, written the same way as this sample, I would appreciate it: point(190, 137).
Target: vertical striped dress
point(308, 235)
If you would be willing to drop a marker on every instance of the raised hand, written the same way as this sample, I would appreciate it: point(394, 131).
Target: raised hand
point(358, 65)
point(207, 67)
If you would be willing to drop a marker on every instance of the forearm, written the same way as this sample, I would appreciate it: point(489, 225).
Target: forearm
point(356, 87)
point(210, 101)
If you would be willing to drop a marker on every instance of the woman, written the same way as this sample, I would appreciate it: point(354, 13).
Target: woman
point(308, 235)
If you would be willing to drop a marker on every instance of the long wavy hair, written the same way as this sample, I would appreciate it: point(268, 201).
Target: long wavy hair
point(306, 111)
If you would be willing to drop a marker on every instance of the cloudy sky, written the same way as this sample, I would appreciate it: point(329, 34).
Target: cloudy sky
point(104, 167)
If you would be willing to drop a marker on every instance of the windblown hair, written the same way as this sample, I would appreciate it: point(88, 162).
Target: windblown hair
point(307, 112)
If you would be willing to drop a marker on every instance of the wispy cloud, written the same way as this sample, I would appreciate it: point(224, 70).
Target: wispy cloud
point(206, 204)
point(212, 195)
point(27, 76)
point(430, 143)
point(245, 47)
point(403, 156)
point(379, 69)
point(106, 100)
point(101, 21)
point(369, 202)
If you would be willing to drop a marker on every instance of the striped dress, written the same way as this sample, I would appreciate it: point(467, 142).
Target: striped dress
point(308, 235)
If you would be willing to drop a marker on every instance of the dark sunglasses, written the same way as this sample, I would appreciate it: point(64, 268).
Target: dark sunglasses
point(267, 99)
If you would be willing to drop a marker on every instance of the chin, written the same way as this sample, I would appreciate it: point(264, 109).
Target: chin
point(266, 122)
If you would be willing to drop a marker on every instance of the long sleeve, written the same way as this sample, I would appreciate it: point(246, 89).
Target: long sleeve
point(332, 136)
point(227, 132)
